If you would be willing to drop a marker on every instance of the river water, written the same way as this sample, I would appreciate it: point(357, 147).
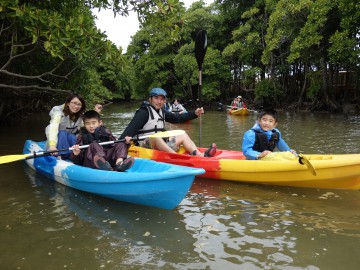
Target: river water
point(219, 225)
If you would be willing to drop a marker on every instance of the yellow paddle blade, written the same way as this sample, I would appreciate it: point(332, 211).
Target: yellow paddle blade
point(169, 133)
point(308, 164)
point(12, 158)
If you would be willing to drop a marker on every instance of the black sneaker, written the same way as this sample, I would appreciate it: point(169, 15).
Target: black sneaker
point(211, 151)
point(125, 165)
point(102, 164)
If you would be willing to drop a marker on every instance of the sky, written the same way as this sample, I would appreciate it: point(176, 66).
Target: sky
point(120, 29)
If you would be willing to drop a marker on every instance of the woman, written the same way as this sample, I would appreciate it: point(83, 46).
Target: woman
point(241, 103)
point(65, 123)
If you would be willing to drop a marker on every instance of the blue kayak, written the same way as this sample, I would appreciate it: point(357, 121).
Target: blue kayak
point(147, 182)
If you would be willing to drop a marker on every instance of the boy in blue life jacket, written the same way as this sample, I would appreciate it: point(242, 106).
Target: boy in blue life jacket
point(108, 157)
point(263, 137)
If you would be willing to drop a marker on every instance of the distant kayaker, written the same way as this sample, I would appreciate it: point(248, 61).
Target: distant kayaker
point(241, 103)
point(150, 118)
point(235, 104)
point(65, 123)
point(108, 157)
point(176, 107)
point(238, 103)
point(263, 137)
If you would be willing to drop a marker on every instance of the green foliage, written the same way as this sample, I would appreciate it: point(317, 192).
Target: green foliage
point(311, 34)
point(185, 65)
point(198, 17)
point(160, 60)
point(215, 72)
point(250, 75)
point(344, 49)
point(55, 46)
point(315, 83)
point(269, 92)
point(285, 21)
point(92, 88)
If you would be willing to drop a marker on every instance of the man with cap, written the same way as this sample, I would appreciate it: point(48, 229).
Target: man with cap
point(151, 117)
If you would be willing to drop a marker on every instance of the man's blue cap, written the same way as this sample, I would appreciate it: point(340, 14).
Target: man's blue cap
point(157, 92)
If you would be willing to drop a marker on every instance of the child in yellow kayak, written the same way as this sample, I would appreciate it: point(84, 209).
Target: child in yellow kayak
point(263, 137)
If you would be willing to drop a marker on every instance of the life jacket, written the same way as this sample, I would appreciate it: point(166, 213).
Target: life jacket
point(100, 135)
point(176, 108)
point(262, 143)
point(70, 126)
point(155, 123)
point(235, 104)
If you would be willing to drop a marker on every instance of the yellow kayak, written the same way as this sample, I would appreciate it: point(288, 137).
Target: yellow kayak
point(332, 171)
point(242, 111)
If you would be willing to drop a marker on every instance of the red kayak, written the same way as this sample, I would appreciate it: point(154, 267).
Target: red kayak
point(212, 165)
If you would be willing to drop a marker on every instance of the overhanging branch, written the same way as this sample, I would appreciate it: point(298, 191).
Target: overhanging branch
point(12, 57)
point(25, 87)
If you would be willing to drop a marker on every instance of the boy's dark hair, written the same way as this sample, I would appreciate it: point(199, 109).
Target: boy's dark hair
point(269, 111)
point(91, 114)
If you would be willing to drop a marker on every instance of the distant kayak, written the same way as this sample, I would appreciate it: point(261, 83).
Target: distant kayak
point(147, 182)
point(332, 171)
point(242, 111)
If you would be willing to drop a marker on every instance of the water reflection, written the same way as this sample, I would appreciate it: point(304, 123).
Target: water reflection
point(256, 227)
point(136, 230)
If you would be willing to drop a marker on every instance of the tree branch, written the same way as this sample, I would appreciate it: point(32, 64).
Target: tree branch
point(12, 57)
point(40, 77)
point(51, 72)
point(24, 87)
point(6, 28)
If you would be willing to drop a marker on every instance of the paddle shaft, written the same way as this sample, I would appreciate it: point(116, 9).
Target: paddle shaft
point(199, 94)
point(137, 138)
point(49, 152)
point(200, 51)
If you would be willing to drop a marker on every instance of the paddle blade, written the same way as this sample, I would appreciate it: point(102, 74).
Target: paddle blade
point(304, 160)
point(12, 158)
point(169, 133)
point(200, 47)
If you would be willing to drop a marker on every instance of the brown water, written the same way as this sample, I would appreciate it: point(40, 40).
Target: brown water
point(219, 225)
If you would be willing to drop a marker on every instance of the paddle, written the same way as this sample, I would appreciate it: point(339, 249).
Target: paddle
point(110, 102)
point(304, 161)
point(12, 158)
point(200, 51)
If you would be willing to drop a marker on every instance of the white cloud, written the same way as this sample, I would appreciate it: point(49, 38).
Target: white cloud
point(120, 29)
